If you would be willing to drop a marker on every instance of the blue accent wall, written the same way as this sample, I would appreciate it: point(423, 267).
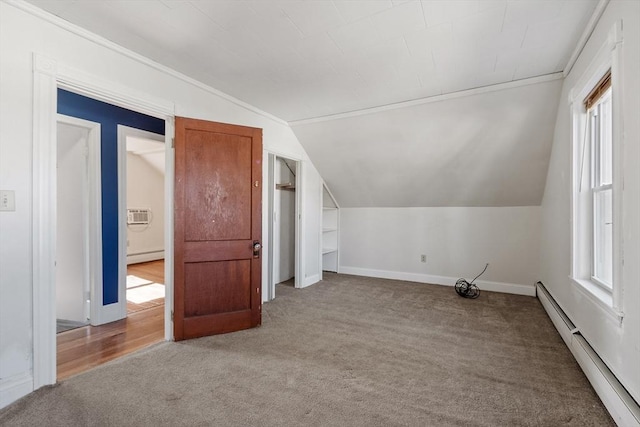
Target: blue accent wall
point(109, 116)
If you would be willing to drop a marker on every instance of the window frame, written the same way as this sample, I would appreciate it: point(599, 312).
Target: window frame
point(598, 184)
point(607, 58)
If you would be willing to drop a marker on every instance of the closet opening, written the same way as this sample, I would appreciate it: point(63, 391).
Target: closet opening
point(284, 201)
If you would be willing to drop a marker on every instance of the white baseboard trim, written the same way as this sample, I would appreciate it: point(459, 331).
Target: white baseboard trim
point(145, 257)
point(15, 387)
point(623, 409)
point(308, 281)
point(484, 285)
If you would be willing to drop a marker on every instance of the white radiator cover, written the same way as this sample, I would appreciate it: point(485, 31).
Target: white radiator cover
point(623, 408)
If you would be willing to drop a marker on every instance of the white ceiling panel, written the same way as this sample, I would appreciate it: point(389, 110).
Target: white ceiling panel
point(313, 17)
point(357, 35)
point(440, 11)
point(421, 43)
point(510, 37)
point(230, 15)
point(531, 11)
point(317, 47)
point(394, 22)
point(489, 22)
point(357, 9)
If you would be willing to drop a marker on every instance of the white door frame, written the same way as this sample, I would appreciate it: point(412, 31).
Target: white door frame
point(48, 76)
point(270, 293)
point(92, 215)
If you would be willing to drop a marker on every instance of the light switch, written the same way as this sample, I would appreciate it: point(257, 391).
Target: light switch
point(7, 200)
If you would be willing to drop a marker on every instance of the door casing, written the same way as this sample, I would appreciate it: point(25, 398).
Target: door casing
point(271, 156)
point(48, 76)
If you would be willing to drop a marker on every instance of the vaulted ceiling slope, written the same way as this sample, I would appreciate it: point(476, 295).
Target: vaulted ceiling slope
point(149, 151)
point(310, 62)
point(488, 149)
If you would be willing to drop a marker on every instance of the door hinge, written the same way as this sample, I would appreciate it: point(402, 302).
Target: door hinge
point(173, 143)
point(172, 315)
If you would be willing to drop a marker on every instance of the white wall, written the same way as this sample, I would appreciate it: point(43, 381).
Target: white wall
point(22, 34)
point(458, 242)
point(284, 235)
point(71, 269)
point(145, 189)
point(311, 214)
point(618, 345)
point(488, 148)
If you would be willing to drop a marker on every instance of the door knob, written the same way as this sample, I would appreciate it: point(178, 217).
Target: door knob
point(256, 249)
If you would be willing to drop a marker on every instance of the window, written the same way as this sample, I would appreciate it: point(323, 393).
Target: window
point(596, 178)
point(600, 136)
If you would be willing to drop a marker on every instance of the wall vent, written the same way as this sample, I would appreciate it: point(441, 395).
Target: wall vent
point(138, 216)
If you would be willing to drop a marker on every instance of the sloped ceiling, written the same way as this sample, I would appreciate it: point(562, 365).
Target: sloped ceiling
point(150, 151)
point(489, 149)
point(306, 61)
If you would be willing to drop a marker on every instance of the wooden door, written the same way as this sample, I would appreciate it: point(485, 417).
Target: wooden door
point(218, 196)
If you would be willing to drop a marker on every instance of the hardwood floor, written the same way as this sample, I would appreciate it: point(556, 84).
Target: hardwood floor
point(152, 271)
point(81, 349)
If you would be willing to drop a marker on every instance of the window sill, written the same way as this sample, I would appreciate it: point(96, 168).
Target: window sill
point(600, 297)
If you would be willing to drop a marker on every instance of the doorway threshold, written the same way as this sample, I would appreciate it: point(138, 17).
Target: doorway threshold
point(84, 348)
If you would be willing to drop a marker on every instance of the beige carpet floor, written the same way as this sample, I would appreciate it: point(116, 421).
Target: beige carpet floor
point(349, 351)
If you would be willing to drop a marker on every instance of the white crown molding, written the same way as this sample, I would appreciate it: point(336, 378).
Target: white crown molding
point(453, 95)
point(99, 40)
point(586, 34)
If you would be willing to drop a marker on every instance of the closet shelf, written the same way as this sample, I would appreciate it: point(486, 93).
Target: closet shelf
point(330, 236)
point(286, 186)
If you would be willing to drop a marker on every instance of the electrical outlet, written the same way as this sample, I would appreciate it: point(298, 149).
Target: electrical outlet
point(7, 200)
point(423, 258)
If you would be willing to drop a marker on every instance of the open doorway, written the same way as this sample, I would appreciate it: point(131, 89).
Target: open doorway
point(100, 215)
point(50, 87)
point(141, 202)
point(77, 206)
point(284, 205)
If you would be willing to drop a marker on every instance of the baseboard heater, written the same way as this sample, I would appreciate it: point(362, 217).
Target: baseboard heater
point(623, 408)
point(137, 257)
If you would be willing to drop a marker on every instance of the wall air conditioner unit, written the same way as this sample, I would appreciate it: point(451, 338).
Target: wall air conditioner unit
point(138, 216)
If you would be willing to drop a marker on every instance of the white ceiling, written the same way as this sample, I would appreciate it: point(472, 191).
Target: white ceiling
point(149, 150)
point(301, 60)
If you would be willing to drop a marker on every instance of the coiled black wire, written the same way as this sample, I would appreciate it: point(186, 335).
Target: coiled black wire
point(469, 290)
